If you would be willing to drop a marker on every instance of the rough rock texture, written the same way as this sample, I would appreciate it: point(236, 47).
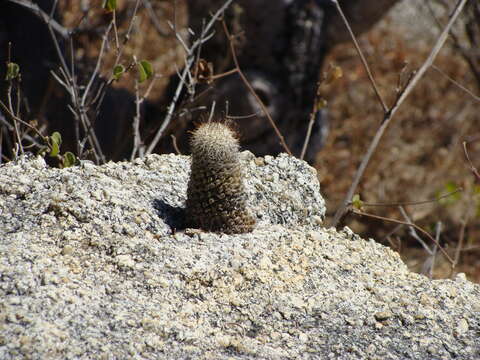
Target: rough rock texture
point(90, 269)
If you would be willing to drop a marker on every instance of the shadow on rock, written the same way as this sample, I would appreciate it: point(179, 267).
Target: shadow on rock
point(173, 216)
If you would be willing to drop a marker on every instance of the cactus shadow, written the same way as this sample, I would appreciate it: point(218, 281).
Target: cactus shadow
point(173, 216)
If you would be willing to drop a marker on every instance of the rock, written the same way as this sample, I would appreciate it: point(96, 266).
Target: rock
point(94, 264)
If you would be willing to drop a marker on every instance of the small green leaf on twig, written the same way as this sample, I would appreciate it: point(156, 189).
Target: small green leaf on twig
point(357, 203)
point(55, 142)
point(54, 149)
point(110, 5)
point(56, 137)
point(145, 70)
point(118, 71)
point(12, 71)
point(68, 159)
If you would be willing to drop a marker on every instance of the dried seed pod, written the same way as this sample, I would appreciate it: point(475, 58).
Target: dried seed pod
point(216, 197)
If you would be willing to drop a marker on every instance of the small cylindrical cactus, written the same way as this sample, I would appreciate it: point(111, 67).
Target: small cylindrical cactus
point(216, 197)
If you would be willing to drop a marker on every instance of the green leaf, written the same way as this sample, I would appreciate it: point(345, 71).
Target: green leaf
point(118, 71)
point(148, 68)
point(55, 149)
point(69, 159)
point(110, 5)
point(357, 203)
point(12, 71)
point(145, 71)
point(57, 138)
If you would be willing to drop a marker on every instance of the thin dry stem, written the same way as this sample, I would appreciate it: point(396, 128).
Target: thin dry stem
point(392, 111)
point(362, 57)
point(309, 133)
point(414, 202)
point(136, 124)
point(14, 118)
point(252, 91)
point(429, 264)
point(61, 30)
point(153, 18)
point(457, 84)
point(191, 56)
point(472, 167)
point(361, 213)
point(174, 143)
point(412, 231)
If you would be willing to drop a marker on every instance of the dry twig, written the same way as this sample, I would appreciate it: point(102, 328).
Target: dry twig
point(48, 19)
point(362, 57)
point(361, 213)
point(392, 111)
point(412, 231)
point(190, 60)
point(421, 202)
point(472, 167)
point(429, 264)
point(153, 18)
point(252, 91)
point(457, 84)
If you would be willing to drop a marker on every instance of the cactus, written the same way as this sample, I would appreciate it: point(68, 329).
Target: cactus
point(216, 197)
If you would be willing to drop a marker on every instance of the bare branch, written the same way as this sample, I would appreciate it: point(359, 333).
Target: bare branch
point(360, 53)
point(361, 213)
point(252, 90)
point(97, 66)
point(421, 202)
point(136, 124)
point(313, 115)
point(11, 128)
point(391, 112)
point(429, 263)
point(153, 17)
point(64, 32)
point(472, 167)
point(179, 37)
point(204, 36)
point(17, 119)
point(413, 232)
point(174, 143)
point(79, 109)
point(456, 83)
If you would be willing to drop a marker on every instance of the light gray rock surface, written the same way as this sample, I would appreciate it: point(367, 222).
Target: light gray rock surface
point(91, 268)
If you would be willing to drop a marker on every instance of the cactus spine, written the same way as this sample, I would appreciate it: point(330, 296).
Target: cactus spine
point(216, 197)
